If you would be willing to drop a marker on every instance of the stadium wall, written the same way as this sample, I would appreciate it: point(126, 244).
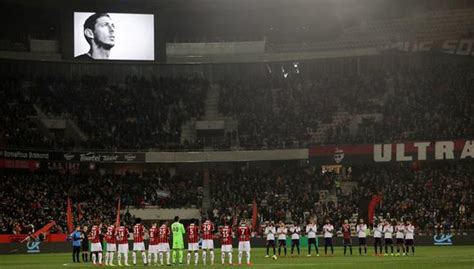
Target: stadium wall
point(57, 247)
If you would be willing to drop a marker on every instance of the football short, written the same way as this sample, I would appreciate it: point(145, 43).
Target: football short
point(388, 241)
point(226, 248)
point(163, 247)
point(193, 246)
point(362, 241)
point(152, 248)
point(244, 246)
point(282, 242)
point(409, 242)
point(270, 243)
point(377, 241)
point(207, 244)
point(311, 241)
point(85, 246)
point(178, 245)
point(111, 247)
point(96, 247)
point(400, 241)
point(123, 248)
point(347, 242)
point(328, 241)
point(295, 242)
point(139, 246)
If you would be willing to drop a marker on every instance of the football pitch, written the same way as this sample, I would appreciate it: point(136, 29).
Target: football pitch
point(425, 257)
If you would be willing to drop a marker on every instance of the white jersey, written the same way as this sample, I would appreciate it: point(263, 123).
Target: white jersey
point(282, 232)
point(388, 231)
point(400, 231)
point(270, 231)
point(361, 230)
point(295, 232)
point(311, 230)
point(328, 230)
point(378, 231)
point(410, 232)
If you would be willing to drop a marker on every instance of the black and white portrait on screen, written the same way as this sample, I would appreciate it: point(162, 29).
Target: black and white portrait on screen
point(113, 36)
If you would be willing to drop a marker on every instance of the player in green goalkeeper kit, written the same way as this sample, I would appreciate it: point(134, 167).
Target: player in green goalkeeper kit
point(178, 231)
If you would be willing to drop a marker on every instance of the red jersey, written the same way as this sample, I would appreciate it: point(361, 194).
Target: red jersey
point(94, 235)
point(110, 235)
point(164, 234)
point(193, 233)
point(226, 235)
point(346, 231)
point(207, 229)
point(122, 235)
point(243, 233)
point(138, 232)
point(153, 232)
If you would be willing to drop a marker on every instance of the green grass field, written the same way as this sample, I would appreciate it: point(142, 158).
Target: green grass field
point(426, 257)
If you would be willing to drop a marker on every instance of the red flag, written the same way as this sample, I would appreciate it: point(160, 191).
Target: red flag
point(70, 226)
point(46, 228)
point(371, 209)
point(254, 215)
point(80, 214)
point(117, 220)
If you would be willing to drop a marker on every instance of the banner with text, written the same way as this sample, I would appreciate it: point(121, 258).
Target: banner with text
point(92, 157)
point(396, 152)
point(460, 46)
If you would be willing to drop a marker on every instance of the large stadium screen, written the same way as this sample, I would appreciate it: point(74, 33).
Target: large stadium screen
point(114, 36)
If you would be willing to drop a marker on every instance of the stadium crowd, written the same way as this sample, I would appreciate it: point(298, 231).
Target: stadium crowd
point(430, 102)
point(137, 114)
point(35, 199)
point(436, 197)
point(433, 102)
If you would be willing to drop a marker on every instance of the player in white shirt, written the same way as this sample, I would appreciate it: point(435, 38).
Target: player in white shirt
point(400, 236)
point(361, 230)
point(378, 230)
point(270, 232)
point(282, 231)
point(311, 231)
point(328, 232)
point(409, 237)
point(295, 231)
point(388, 234)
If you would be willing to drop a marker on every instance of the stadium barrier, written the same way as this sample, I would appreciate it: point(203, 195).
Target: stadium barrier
point(58, 247)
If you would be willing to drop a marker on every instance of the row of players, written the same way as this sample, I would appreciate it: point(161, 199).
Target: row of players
point(159, 240)
point(116, 239)
point(383, 229)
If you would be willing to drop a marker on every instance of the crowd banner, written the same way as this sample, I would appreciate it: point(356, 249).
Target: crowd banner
point(395, 152)
point(458, 46)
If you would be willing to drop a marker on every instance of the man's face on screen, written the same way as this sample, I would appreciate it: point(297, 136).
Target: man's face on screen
point(104, 32)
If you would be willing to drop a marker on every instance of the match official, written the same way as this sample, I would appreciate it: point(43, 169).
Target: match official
point(76, 244)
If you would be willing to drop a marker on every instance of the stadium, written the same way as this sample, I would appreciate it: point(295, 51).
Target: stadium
point(253, 133)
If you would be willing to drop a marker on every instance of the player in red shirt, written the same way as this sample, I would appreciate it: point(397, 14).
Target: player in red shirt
point(243, 232)
point(192, 233)
point(346, 232)
point(164, 242)
point(153, 243)
point(138, 244)
point(110, 239)
point(226, 240)
point(122, 240)
point(207, 230)
point(96, 246)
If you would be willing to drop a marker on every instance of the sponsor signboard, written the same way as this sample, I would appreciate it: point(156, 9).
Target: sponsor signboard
point(95, 157)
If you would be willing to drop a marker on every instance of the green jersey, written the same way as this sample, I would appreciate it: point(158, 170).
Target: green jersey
point(178, 231)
